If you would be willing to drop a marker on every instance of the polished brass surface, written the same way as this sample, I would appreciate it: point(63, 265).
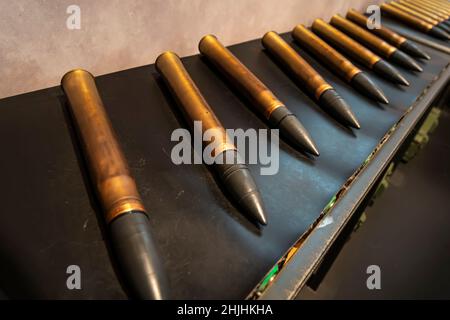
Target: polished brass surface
point(325, 52)
point(115, 187)
point(191, 101)
point(383, 32)
point(415, 13)
point(443, 2)
point(296, 64)
point(422, 9)
point(431, 8)
point(345, 43)
point(263, 99)
point(419, 10)
point(363, 36)
point(439, 4)
point(406, 17)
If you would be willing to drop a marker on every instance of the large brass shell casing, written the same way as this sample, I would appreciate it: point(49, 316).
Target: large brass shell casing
point(406, 17)
point(263, 99)
point(115, 187)
point(301, 69)
point(234, 175)
point(363, 36)
point(190, 100)
point(383, 32)
point(345, 43)
point(325, 52)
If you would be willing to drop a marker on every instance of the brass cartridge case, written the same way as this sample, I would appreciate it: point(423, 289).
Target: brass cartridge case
point(299, 67)
point(363, 36)
point(345, 43)
point(234, 175)
point(115, 187)
point(128, 224)
point(325, 52)
point(406, 17)
point(383, 32)
point(415, 13)
point(263, 99)
point(191, 101)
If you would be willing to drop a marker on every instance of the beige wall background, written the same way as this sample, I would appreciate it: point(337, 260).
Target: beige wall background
point(37, 48)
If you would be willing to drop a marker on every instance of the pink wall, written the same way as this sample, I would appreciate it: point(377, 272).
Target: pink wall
point(36, 47)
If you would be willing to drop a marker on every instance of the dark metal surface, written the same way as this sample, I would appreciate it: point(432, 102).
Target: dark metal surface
point(49, 219)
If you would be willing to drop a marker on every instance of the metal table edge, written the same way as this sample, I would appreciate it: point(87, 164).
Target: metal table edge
point(295, 273)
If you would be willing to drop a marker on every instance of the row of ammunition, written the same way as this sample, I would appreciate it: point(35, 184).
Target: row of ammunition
point(429, 16)
point(328, 42)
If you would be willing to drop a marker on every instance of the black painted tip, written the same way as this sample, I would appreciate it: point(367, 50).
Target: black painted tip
point(292, 129)
point(409, 47)
point(439, 33)
point(331, 101)
point(236, 178)
point(404, 60)
point(363, 83)
point(444, 27)
point(137, 256)
point(252, 203)
point(389, 72)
